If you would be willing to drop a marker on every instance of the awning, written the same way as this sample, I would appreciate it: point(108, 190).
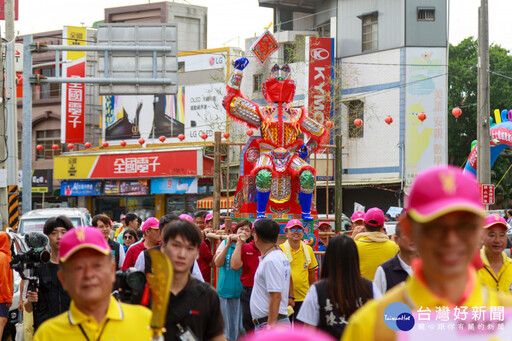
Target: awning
point(208, 202)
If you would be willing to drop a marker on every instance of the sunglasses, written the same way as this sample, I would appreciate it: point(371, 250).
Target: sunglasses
point(127, 237)
point(296, 230)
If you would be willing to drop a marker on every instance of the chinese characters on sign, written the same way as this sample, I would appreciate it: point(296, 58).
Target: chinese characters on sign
point(487, 194)
point(135, 165)
point(264, 46)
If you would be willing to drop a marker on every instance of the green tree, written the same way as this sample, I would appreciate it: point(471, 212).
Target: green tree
point(462, 92)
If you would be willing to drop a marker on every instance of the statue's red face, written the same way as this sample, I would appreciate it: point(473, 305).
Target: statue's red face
point(279, 87)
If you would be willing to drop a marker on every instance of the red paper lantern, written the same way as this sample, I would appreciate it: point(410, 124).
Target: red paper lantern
point(422, 117)
point(226, 135)
point(204, 136)
point(55, 147)
point(329, 124)
point(71, 146)
point(141, 141)
point(181, 137)
point(105, 144)
point(388, 119)
point(456, 112)
point(88, 145)
point(39, 147)
point(162, 138)
point(358, 122)
point(123, 143)
point(249, 132)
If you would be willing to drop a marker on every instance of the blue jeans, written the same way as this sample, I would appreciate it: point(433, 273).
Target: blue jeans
point(232, 313)
point(262, 327)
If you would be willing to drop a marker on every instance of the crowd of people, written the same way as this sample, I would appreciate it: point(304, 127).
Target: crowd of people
point(445, 252)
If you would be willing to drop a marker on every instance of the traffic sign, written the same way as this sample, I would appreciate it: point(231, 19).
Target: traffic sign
point(487, 194)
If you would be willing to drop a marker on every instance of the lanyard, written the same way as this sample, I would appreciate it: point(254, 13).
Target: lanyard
point(101, 332)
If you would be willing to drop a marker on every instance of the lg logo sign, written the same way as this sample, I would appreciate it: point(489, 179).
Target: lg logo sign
point(319, 53)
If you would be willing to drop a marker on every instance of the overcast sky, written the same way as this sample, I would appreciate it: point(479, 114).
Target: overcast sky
point(231, 21)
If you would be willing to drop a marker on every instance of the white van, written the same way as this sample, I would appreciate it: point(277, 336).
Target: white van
point(34, 220)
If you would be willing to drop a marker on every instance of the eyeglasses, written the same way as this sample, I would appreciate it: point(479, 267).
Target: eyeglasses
point(296, 230)
point(324, 228)
point(128, 237)
point(437, 232)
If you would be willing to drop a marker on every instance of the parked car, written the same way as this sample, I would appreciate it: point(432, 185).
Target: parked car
point(18, 246)
point(34, 220)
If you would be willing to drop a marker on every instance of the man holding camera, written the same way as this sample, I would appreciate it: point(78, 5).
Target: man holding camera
point(50, 297)
point(87, 273)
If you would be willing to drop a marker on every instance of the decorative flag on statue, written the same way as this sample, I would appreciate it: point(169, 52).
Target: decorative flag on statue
point(264, 46)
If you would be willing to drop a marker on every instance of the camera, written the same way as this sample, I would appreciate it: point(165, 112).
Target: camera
point(31, 259)
point(129, 286)
point(34, 257)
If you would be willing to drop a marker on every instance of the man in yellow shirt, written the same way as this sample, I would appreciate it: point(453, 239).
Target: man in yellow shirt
point(302, 261)
point(444, 216)
point(497, 270)
point(87, 273)
point(373, 246)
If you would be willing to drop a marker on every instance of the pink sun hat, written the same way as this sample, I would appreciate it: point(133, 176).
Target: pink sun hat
point(374, 217)
point(79, 238)
point(186, 217)
point(150, 223)
point(359, 215)
point(209, 216)
point(495, 219)
point(441, 190)
point(293, 222)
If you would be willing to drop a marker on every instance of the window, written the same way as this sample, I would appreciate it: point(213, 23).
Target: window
point(288, 53)
point(49, 90)
point(370, 31)
point(426, 14)
point(355, 111)
point(257, 82)
point(47, 138)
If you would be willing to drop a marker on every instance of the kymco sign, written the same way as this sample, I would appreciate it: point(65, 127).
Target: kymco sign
point(320, 59)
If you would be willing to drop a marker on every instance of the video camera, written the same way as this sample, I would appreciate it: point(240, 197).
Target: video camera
point(31, 259)
point(129, 286)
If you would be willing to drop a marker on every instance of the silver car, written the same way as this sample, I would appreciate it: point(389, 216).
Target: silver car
point(34, 220)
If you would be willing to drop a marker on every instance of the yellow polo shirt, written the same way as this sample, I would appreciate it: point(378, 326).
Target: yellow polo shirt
point(374, 253)
point(300, 273)
point(367, 323)
point(501, 281)
point(122, 322)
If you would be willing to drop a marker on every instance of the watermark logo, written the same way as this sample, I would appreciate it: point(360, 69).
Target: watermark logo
point(398, 316)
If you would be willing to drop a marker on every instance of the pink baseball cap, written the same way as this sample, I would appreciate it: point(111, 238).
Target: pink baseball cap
point(79, 238)
point(374, 217)
point(293, 222)
point(495, 219)
point(209, 216)
point(441, 190)
point(324, 223)
point(186, 217)
point(122, 216)
point(357, 216)
point(150, 223)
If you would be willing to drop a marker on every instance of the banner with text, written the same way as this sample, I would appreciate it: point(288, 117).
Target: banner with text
point(73, 94)
point(174, 186)
point(80, 188)
point(319, 77)
point(126, 187)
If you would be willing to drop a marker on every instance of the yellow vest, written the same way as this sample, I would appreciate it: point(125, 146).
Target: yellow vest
point(501, 281)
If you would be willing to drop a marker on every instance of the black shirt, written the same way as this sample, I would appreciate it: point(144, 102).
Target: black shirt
point(52, 299)
point(196, 307)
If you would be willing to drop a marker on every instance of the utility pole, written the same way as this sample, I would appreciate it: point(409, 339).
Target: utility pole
point(9, 152)
point(483, 106)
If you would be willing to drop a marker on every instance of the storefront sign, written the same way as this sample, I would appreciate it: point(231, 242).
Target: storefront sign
point(134, 165)
point(80, 188)
point(174, 186)
point(42, 181)
point(126, 187)
point(320, 59)
point(73, 94)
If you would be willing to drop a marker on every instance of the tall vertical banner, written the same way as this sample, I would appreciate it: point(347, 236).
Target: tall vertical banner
point(73, 94)
point(426, 142)
point(319, 77)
